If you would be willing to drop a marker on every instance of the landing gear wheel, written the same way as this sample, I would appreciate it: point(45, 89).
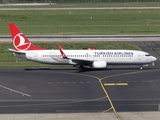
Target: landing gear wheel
point(81, 67)
point(141, 67)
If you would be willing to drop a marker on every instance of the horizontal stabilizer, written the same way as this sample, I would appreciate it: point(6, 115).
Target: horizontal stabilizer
point(14, 51)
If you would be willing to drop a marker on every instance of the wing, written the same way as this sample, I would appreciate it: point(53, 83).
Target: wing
point(72, 60)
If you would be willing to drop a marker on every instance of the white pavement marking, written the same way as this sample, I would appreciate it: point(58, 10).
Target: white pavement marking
point(12, 90)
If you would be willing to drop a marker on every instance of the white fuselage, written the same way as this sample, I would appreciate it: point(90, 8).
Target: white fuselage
point(111, 57)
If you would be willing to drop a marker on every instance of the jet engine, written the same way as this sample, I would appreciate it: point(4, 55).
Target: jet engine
point(99, 64)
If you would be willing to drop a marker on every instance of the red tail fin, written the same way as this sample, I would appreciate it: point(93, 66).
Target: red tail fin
point(20, 41)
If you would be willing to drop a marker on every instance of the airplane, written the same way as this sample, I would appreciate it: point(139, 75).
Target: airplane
point(93, 58)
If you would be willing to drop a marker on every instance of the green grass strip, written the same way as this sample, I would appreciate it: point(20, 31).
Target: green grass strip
point(82, 22)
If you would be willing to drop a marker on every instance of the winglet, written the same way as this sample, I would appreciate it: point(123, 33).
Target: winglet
point(62, 53)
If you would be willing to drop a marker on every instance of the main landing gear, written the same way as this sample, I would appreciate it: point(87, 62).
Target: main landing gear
point(80, 66)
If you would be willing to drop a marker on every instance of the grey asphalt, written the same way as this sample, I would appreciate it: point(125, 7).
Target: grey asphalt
point(71, 38)
point(71, 90)
point(83, 8)
point(66, 93)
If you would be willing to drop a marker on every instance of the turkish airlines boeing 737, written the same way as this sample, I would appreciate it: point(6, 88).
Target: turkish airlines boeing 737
point(23, 48)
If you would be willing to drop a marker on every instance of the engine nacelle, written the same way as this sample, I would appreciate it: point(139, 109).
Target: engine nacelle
point(99, 64)
point(71, 62)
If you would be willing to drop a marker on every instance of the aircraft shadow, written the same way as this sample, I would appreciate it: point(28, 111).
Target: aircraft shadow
point(30, 69)
point(78, 70)
point(112, 69)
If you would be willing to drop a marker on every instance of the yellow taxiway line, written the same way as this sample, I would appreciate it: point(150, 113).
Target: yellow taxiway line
point(115, 84)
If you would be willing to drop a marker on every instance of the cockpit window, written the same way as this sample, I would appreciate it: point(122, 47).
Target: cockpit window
point(147, 55)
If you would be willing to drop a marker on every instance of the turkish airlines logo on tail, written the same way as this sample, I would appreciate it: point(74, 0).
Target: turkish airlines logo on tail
point(20, 43)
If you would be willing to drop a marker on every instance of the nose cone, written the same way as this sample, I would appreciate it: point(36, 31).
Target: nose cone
point(154, 58)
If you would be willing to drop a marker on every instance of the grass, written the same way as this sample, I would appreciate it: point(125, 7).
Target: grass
point(110, 4)
point(8, 59)
point(83, 22)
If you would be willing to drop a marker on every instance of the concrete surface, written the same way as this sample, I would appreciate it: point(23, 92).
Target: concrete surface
point(83, 116)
